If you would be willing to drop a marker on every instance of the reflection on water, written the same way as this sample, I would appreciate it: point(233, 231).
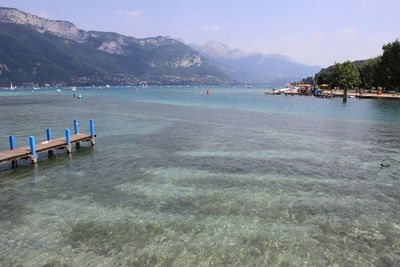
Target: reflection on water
point(176, 180)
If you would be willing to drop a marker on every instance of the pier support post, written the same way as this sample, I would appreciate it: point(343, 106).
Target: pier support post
point(49, 137)
point(68, 140)
point(49, 134)
point(12, 143)
point(13, 146)
point(32, 144)
point(92, 141)
point(345, 94)
point(76, 131)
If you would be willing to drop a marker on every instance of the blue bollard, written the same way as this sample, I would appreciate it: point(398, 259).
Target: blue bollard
point(49, 135)
point(67, 136)
point(68, 140)
point(33, 147)
point(12, 143)
point(76, 127)
point(92, 128)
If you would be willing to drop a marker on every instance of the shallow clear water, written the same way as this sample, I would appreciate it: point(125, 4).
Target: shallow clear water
point(179, 178)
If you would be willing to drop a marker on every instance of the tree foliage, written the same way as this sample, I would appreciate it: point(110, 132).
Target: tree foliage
point(324, 77)
point(345, 75)
point(382, 71)
point(390, 65)
point(308, 80)
point(369, 73)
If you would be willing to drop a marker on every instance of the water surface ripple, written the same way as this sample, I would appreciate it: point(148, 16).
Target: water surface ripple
point(178, 178)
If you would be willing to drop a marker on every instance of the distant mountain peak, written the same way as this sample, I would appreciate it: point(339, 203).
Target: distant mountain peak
point(217, 49)
point(113, 42)
point(54, 51)
point(60, 28)
point(256, 67)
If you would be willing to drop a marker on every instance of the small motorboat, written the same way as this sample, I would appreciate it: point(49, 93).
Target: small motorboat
point(273, 92)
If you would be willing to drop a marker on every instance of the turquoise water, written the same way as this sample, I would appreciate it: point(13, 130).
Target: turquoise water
point(179, 178)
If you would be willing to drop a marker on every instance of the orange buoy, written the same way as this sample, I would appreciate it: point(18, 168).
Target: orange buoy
point(208, 92)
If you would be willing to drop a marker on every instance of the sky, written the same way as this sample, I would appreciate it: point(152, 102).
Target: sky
point(315, 32)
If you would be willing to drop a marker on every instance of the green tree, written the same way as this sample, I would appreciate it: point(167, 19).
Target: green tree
point(389, 66)
point(369, 73)
point(308, 80)
point(345, 75)
point(324, 77)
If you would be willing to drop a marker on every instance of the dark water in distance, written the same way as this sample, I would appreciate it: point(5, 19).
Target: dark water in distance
point(178, 178)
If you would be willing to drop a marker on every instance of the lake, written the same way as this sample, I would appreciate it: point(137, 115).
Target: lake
point(181, 178)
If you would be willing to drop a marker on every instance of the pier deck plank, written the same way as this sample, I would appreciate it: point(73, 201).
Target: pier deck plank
point(24, 152)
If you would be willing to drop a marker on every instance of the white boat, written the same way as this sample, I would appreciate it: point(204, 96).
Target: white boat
point(12, 87)
point(285, 90)
point(73, 88)
point(273, 92)
point(58, 90)
point(289, 90)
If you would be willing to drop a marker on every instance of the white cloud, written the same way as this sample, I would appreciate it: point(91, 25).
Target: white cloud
point(137, 14)
point(210, 28)
point(134, 13)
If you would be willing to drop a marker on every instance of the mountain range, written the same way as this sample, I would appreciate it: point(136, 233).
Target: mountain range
point(34, 50)
point(254, 67)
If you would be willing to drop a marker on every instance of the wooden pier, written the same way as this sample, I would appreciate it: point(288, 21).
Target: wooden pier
point(50, 146)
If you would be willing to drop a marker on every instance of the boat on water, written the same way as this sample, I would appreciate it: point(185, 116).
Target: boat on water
point(73, 88)
point(273, 92)
point(12, 87)
point(289, 90)
point(285, 90)
point(58, 90)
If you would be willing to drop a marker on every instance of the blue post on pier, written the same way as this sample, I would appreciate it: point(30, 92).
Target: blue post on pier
point(67, 136)
point(68, 140)
point(92, 128)
point(49, 134)
point(32, 144)
point(13, 146)
point(92, 141)
point(49, 137)
point(76, 130)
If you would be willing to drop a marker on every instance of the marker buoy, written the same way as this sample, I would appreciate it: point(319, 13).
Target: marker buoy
point(208, 92)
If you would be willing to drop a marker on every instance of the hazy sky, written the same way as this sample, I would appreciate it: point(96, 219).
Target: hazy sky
point(318, 32)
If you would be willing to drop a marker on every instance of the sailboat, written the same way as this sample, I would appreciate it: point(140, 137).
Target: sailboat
point(12, 87)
